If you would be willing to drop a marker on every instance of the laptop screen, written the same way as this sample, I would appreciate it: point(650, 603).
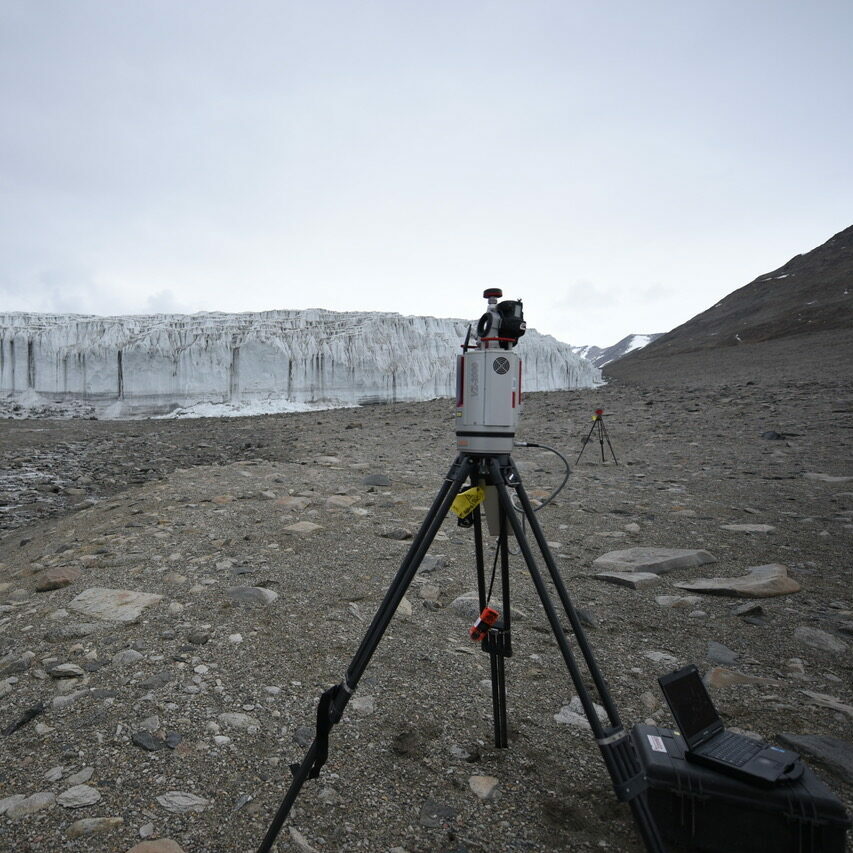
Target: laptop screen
point(690, 703)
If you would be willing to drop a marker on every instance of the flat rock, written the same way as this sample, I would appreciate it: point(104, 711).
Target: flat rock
point(822, 640)
point(30, 805)
point(363, 704)
point(60, 703)
point(435, 814)
point(292, 502)
point(114, 605)
point(257, 596)
point(79, 796)
point(181, 801)
point(300, 841)
point(156, 681)
point(761, 582)
point(376, 480)
point(661, 658)
point(431, 562)
point(750, 608)
point(126, 657)
point(147, 741)
point(749, 528)
point(830, 753)
point(13, 664)
point(74, 631)
point(66, 670)
point(302, 528)
point(677, 601)
point(573, 714)
point(7, 802)
point(721, 677)
point(57, 578)
point(634, 580)
point(824, 700)
point(404, 608)
point(718, 653)
point(238, 720)
point(401, 534)
point(93, 826)
point(654, 560)
point(340, 501)
point(80, 776)
point(485, 787)
point(826, 478)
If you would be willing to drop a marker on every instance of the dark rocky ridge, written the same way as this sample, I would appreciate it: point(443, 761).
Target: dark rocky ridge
point(801, 314)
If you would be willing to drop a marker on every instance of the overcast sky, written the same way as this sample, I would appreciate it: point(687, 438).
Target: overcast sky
point(618, 165)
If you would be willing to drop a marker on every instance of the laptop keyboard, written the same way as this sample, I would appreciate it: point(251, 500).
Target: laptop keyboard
point(734, 749)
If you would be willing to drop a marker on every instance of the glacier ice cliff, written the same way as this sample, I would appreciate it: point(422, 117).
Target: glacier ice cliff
point(141, 365)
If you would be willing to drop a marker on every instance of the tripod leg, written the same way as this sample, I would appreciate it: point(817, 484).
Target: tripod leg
point(617, 751)
point(499, 642)
point(601, 437)
point(335, 699)
point(499, 700)
point(565, 599)
point(607, 437)
point(490, 643)
point(585, 442)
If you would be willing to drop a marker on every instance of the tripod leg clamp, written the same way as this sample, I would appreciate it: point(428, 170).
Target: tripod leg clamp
point(324, 726)
point(633, 787)
point(629, 777)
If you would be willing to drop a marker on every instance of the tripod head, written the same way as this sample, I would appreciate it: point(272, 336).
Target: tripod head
point(488, 380)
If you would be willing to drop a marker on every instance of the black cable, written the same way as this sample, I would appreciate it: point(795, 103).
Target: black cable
point(558, 489)
point(565, 478)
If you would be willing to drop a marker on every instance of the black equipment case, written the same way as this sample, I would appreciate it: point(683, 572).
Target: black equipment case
point(702, 809)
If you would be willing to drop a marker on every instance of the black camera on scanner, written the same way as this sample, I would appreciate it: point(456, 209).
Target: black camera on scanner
point(503, 322)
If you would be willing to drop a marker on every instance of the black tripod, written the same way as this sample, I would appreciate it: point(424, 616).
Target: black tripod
point(598, 422)
point(616, 748)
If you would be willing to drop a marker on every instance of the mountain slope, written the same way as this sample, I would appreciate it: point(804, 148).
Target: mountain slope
point(808, 299)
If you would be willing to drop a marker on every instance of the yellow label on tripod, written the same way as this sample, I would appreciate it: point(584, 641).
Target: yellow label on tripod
point(465, 502)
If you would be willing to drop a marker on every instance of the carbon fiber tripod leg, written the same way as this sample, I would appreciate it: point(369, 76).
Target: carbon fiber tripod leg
point(607, 439)
point(585, 442)
point(626, 773)
point(497, 643)
point(335, 699)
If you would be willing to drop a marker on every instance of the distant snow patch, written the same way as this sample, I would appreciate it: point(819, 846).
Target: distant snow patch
point(243, 410)
point(638, 342)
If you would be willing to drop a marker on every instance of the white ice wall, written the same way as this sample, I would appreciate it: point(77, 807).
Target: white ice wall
point(161, 361)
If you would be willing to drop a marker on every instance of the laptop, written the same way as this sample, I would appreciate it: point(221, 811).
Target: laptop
point(708, 742)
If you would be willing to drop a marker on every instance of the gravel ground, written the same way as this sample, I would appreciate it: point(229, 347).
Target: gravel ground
point(192, 510)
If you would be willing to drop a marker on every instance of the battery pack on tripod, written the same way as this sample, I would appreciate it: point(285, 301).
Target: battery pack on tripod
point(699, 808)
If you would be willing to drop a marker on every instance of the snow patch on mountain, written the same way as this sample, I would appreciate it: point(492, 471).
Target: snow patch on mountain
point(600, 356)
point(157, 364)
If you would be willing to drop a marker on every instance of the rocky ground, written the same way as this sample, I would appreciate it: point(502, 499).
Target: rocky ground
point(257, 551)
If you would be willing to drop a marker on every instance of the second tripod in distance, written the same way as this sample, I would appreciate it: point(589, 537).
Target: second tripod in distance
point(598, 424)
